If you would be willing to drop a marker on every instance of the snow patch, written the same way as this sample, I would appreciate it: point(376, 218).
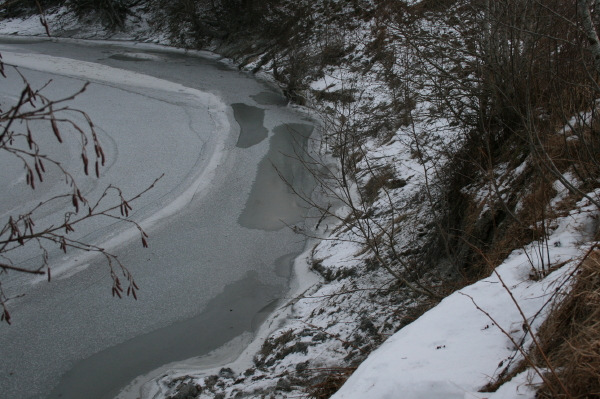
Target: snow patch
point(456, 348)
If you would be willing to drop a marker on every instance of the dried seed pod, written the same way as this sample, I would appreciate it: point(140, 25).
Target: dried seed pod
point(29, 178)
point(5, 316)
point(124, 209)
point(29, 138)
point(85, 163)
point(75, 203)
point(102, 157)
point(39, 172)
point(55, 130)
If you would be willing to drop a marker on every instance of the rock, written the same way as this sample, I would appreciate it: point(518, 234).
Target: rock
point(211, 381)
point(300, 367)
point(187, 390)
point(284, 385)
point(226, 372)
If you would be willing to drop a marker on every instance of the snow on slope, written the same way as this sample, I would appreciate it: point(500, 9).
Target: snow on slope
point(459, 346)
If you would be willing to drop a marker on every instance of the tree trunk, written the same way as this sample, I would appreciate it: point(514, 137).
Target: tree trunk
point(585, 15)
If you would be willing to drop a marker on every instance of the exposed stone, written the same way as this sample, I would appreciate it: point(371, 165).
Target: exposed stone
point(226, 372)
point(284, 385)
point(187, 390)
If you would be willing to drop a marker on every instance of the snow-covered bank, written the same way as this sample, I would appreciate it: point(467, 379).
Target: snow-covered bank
point(478, 333)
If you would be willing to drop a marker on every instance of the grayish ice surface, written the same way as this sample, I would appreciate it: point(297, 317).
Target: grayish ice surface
point(282, 205)
point(251, 122)
point(212, 265)
point(269, 98)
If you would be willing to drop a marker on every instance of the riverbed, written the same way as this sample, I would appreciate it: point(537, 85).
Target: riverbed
point(221, 249)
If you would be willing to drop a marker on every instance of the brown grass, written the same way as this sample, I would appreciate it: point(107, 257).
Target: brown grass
point(330, 382)
point(382, 178)
point(571, 337)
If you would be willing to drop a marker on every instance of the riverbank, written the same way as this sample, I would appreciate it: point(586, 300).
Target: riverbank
point(233, 358)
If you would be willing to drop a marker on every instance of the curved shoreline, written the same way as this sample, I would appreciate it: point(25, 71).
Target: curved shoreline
point(236, 354)
point(243, 347)
point(205, 169)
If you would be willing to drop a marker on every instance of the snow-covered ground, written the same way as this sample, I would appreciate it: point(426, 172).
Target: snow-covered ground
point(466, 341)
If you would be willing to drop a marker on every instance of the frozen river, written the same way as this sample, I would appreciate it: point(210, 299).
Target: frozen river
point(220, 254)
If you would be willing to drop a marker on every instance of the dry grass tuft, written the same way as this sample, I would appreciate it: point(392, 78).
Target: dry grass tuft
point(571, 337)
point(331, 382)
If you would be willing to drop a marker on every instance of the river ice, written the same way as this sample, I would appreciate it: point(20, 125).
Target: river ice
point(204, 278)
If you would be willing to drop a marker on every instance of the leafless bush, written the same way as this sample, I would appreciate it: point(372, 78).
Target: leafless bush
point(20, 134)
point(112, 12)
point(20, 8)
